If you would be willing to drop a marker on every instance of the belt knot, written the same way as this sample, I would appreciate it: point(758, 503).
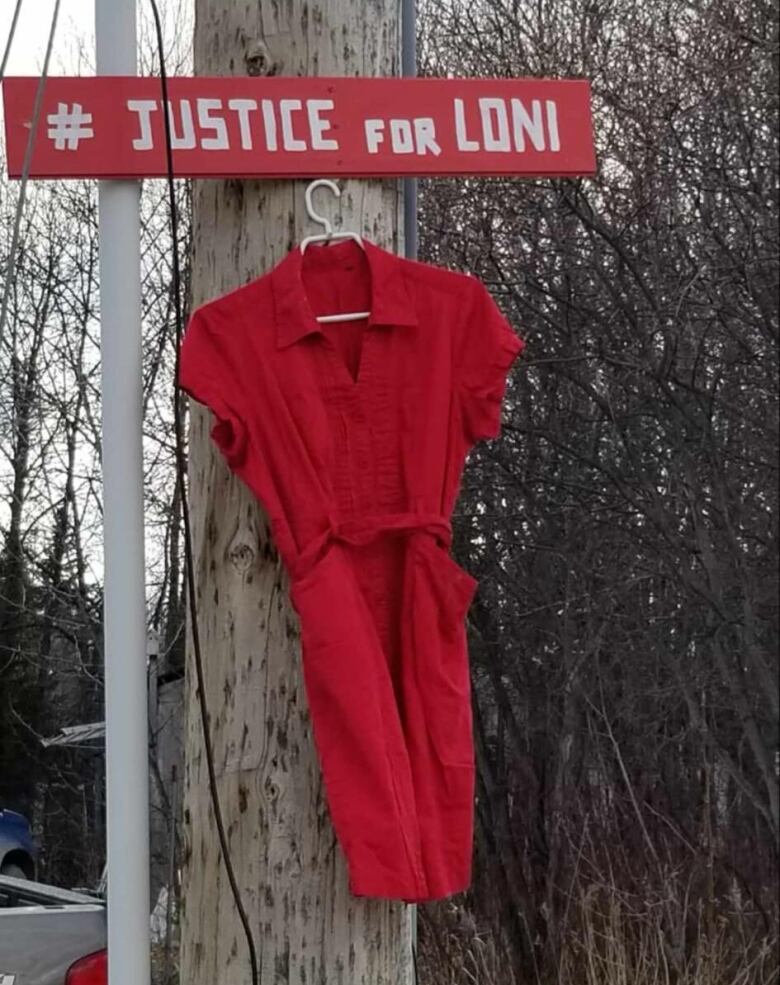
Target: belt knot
point(359, 531)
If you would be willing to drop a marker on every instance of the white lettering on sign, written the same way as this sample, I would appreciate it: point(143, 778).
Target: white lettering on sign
point(286, 108)
point(185, 140)
point(69, 126)
point(425, 136)
point(303, 124)
point(494, 125)
point(505, 124)
point(532, 125)
point(269, 121)
point(242, 108)
point(318, 126)
point(552, 124)
point(416, 136)
point(401, 136)
point(208, 121)
point(144, 108)
point(460, 128)
point(373, 130)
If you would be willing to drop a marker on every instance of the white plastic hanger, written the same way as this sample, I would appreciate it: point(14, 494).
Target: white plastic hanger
point(329, 237)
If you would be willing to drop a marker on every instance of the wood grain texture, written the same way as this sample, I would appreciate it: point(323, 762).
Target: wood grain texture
point(308, 929)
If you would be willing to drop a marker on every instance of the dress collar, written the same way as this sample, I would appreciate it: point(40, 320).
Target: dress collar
point(391, 303)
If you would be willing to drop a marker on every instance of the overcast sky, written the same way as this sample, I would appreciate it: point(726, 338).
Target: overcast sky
point(76, 23)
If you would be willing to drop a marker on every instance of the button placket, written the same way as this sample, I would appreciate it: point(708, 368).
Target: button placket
point(335, 396)
point(378, 400)
point(362, 457)
point(362, 408)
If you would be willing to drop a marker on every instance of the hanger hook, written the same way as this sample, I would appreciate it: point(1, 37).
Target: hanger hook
point(315, 216)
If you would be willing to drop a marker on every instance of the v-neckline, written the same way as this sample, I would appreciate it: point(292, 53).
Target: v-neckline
point(338, 251)
point(338, 358)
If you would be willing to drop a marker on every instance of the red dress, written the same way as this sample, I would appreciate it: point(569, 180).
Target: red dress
point(353, 436)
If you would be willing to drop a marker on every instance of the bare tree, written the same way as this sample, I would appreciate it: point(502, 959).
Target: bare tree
point(625, 636)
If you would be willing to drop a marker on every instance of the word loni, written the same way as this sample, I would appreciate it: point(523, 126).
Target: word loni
point(505, 123)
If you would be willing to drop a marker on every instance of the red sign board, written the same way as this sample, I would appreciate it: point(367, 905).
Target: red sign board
point(112, 127)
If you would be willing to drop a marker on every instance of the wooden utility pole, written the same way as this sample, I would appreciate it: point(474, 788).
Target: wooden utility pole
point(307, 927)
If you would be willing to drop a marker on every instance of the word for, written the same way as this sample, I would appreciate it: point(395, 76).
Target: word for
point(301, 125)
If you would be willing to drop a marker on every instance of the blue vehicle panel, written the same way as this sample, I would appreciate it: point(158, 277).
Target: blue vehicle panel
point(17, 845)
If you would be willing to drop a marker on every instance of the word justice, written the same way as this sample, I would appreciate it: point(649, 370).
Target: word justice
point(489, 124)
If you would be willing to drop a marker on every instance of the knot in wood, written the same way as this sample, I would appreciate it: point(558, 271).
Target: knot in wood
point(242, 556)
point(258, 59)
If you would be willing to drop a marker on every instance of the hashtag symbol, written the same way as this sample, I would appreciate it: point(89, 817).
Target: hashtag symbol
point(69, 125)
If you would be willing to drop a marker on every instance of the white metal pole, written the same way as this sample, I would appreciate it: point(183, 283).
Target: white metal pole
point(124, 599)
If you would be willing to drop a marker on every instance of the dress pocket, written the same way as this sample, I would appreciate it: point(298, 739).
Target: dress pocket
point(442, 593)
point(327, 604)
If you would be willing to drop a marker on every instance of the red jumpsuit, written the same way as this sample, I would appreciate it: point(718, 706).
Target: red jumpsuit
point(353, 436)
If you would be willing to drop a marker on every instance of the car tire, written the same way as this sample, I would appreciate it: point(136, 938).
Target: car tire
point(12, 870)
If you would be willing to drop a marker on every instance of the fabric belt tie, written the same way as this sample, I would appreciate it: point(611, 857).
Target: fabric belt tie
point(362, 530)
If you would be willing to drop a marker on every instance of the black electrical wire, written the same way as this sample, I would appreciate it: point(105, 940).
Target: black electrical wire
point(181, 480)
point(10, 272)
point(10, 40)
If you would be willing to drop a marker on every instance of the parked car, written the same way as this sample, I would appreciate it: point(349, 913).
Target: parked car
point(50, 936)
point(17, 848)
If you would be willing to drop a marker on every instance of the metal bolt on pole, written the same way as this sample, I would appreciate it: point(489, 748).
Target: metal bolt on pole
point(124, 596)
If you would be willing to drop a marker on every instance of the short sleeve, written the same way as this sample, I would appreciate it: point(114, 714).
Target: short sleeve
point(207, 373)
point(487, 348)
